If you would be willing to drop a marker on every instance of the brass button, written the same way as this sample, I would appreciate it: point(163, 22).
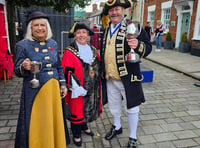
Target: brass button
point(44, 50)
point(47, 58)
point(50, 72)
point(48, 65)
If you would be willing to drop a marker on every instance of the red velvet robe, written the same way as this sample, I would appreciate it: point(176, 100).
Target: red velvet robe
point(73, 64)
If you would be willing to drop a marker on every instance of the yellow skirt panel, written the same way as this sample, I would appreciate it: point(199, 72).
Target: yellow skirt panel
point(46, 123)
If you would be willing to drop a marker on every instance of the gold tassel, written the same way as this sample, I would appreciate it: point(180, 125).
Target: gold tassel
point(105, 20)
point(73, 27)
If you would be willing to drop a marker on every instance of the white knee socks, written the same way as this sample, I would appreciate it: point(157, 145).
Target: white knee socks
point(117, 123)
point(133, 123)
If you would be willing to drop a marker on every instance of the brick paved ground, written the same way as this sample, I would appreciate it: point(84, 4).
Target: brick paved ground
point(170, 118)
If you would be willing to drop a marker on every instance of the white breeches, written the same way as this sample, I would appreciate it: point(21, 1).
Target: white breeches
point(115, 92)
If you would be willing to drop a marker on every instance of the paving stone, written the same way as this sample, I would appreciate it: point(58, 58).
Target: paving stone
point(123, 142)
point(152, 129)
point(187, 125)
point(197, 131)
point(86, 138)
point(174, 120)
point(13, 129)
point(5, 136)
point(89, 145)
point(97, 142)
point(148, 117)
point(165, 115)
point(194, 112)
point(5, 112)
point(140, 131)
point(164, 137)
point(191, 118)
point(171, 127)
point(196, 123)
point(3, 122)
point(165, 145)
point(146, 139)
point(180, 114)
point(147, 111)
point(7, 144)
point(12, 122)
point(162, 110)
point(185, 143)
point(185, 134)
point(4, 130)
point(152, 122)
point(148, 146)
point(178, 108)
point(197, 140)
point(3, 117)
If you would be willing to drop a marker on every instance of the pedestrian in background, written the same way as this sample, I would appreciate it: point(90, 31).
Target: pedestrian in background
point(40, 122)
point(159, 31)
point(148, 29)
point(81, 64)
point(121, 78)
point(95, 39)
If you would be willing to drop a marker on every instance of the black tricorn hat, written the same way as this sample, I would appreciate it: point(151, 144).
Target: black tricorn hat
point(77, 26)
point(35, 15)
point(113, 3)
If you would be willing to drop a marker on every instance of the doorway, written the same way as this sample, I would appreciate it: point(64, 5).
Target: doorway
point(185, 24)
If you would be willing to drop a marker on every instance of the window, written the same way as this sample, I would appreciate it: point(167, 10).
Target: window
point(151, 18)
point(166, 18)
point(166, 14)
point(151, 13)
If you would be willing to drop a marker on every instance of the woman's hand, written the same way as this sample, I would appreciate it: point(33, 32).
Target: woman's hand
point(26, 64)
point(133, 43)
point(63, 91)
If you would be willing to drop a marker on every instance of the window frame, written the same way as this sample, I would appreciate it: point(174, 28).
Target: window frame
point(151, 9)
point(164, 19)
point(165, 6)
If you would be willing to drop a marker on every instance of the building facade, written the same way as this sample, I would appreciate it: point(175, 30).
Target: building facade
point(178, 16)
point(135, 12)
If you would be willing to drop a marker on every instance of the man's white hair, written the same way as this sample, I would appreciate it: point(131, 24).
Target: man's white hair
point(29, 34)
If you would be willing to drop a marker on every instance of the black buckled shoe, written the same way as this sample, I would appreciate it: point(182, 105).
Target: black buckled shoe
point(91, 133)
point(132, 143)
point(77, 143)
point(112, 133)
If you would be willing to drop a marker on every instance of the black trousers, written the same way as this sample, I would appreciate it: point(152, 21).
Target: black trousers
point(77, 128)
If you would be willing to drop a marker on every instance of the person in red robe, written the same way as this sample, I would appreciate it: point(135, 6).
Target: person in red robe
point(95, 39)
point(81, 64)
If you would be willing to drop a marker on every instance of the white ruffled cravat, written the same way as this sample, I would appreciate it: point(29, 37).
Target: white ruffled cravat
point(85, 53)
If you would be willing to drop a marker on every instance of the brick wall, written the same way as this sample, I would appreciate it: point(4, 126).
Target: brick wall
point(174, 18)
point(158, 15)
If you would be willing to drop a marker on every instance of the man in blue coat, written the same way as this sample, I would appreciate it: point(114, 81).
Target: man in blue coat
point(121, 75)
